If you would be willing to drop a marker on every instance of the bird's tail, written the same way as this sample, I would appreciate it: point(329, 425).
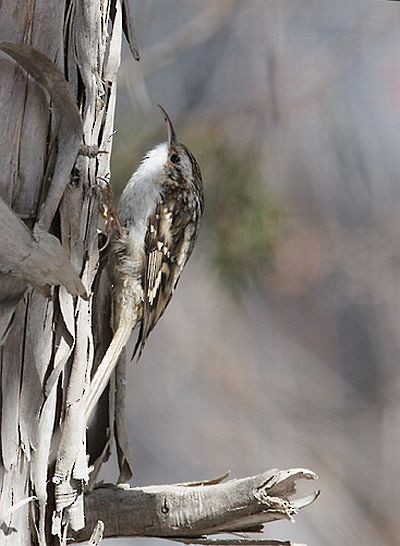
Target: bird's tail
point(127, 320)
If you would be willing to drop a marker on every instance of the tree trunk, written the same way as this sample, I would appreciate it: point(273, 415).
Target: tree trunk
point(49, 350)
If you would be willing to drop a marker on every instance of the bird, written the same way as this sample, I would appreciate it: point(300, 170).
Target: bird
point(159, 215)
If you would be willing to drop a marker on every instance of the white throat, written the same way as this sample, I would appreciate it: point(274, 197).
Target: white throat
point(153, 162)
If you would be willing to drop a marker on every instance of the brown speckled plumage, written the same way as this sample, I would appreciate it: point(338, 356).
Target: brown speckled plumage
point(159, 213)
point(169, 242)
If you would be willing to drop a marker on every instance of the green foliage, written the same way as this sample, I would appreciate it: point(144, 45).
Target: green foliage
point(242, 221)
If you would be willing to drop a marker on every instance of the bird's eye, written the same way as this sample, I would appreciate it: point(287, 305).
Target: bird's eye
point(174, 158)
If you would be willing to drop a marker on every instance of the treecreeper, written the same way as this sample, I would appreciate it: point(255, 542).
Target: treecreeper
point(159, 214)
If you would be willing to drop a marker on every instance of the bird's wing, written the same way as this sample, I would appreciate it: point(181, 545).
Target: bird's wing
point(169, 242)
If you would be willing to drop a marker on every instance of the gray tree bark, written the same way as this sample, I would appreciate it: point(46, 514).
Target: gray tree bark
point(55, 298)
point(192, 511)
point(49, 258)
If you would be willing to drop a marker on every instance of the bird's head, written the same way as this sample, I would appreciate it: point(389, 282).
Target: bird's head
point(171, 159)
point(180, 162)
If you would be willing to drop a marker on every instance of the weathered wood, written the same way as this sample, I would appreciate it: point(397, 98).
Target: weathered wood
point(239, 541)
point(69, 133)
point(196, 510)
point(39, 259)
point(124, 454)
point(47, 358)
point(129, 30)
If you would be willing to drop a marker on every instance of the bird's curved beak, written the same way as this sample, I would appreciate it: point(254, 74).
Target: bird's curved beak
point(172, 140)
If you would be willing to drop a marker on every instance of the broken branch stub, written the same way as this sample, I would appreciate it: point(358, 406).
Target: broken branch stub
point(181, 511)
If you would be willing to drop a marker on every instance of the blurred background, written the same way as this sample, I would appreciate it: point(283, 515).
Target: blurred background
point(281, 345)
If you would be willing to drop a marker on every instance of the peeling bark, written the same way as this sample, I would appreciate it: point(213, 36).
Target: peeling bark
point(183, 511)
point(49, 220)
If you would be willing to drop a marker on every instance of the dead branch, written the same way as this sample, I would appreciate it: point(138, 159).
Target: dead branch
point(194, 511)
